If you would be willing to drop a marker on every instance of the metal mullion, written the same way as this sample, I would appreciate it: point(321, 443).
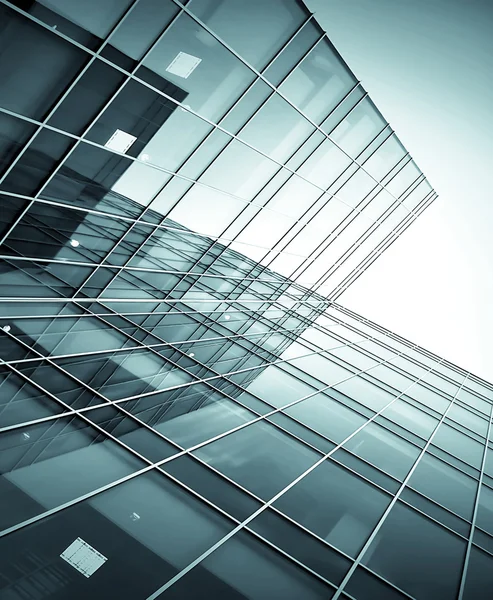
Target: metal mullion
point(373, 152)
point(211, 326)
point(141, 471)
point(31, 299)
point(163, 169)
point(475, 512)
point(394, 500)
point(52, 111)
point(171, 345)
point(371, 222)
point(94, 56)
point(232, 138)
point(326, 243)
point(237, 385)
point(267, 504)
point(31, 447)
point(223, 43)
point(41, 283)
point(198, 380)
point(130, 75)
point(223, 376)
point(86, 409)
point(379, 341)
point(350, 251)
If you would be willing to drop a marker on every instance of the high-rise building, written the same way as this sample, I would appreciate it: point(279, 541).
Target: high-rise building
point(185, 409)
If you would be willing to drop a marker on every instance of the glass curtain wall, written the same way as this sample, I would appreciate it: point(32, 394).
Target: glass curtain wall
point(184, 408)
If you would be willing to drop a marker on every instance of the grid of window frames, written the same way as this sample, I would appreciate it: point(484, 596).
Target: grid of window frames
point(182, 408)
point(267, 143)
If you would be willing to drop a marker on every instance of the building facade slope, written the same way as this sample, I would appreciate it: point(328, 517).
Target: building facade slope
point(186, 188)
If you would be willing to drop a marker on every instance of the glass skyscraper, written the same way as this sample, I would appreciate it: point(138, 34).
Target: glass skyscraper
point(185, 408)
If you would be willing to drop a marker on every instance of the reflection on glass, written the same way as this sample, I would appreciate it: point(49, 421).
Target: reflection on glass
point(384, 449)
point(245, 567)
point(446, 485)
point(319, 82)
point(259, 457)
point(233, 21)
point(191, 57)
point(359, 128)
point(327, 416)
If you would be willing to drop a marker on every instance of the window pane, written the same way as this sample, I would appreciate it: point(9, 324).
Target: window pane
point(233, 20)
point(479, 578)
point(327, 416)
point(277, 129)
point(468, 419)
point(385, 158)
point(278, 387)
point(259, 457)
point(411, 418)
point(445, 484)
point(328, 502)
point(364, 586)
point(209, 415)
point(212, 486)
point(359, 128)
point(147, 528)
point(415, 554)
point(459, 445)
point(384, 449)
point(227, 573)
point(301, 545)
point(365, 393)
point(27, 86)
point(485, 510)
point(319, 82)
point(50, 463)
point(213, 76)
point(21, 402)
point(149, 18)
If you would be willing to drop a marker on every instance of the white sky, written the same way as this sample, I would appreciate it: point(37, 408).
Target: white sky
point(428, 66)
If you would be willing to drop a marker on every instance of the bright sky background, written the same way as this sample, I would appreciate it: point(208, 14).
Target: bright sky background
point(428, 66)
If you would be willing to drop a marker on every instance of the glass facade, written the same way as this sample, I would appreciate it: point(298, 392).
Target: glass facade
point(185, 409)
